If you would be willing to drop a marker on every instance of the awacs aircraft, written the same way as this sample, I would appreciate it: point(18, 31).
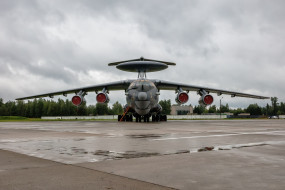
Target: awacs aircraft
point(142, 94)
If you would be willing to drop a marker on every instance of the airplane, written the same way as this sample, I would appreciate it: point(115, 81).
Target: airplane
point(142, 94)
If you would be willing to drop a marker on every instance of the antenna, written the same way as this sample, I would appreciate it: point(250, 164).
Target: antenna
point(141, 66)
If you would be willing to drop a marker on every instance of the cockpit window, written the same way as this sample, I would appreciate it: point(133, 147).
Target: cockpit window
point(142, 85)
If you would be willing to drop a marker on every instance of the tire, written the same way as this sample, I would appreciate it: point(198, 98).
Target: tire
point(153, 118)
point(131, 118)
point(127, 118)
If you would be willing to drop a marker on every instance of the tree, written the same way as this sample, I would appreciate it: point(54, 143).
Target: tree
point(3, 109)
point(166, 106)
point(52, 110)
point(254, 109)
point(117, 109)
point(82, 109)
point(91, 110)
point(20, 108)
point(274, 105)
point(212, 109)
point(225, 108)
point(237, 111)
point(199, 109)
point(102, 108)
point(282, 108)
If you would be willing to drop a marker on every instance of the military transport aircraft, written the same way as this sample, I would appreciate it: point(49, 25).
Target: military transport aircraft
point(142, 94)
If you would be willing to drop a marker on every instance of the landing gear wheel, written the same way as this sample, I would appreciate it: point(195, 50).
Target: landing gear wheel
point(127, 117)
point(163, 118)
point(144, 118)
point(157, 119)
point(131, 118)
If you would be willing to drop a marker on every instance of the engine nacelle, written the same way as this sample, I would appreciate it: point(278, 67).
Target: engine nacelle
point(77, 100)
point(182, 97)
point(102, 97)
point(206, 100)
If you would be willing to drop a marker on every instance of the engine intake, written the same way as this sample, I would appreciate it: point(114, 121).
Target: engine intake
point(102, 97)
point(182, 98)
point(206, 100)
point(77, 100)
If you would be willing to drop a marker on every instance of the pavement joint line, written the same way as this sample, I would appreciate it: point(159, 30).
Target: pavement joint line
point(86, 168)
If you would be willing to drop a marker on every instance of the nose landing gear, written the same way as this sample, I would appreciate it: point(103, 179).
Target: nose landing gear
point(128, 118)
point(144, 118)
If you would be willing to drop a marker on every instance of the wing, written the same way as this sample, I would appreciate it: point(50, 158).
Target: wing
point(119, 85)
point(165, 85)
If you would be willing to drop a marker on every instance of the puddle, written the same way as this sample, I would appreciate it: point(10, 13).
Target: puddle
point(79, 150)
point(141, 136)
point(210, 148)
point(102, 152)
point(134, 154)
point(111, 155)
point(230, 147)
point(79, 139)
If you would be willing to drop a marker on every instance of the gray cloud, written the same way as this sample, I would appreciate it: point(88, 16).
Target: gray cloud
point(53, 45)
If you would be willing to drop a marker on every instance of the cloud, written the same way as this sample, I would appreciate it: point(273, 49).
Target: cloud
point(56, 45)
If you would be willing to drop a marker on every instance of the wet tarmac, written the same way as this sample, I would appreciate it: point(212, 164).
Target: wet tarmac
point(210, 154)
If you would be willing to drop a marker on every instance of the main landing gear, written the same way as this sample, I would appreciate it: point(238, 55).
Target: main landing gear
point(144, 118)
point(128, 118)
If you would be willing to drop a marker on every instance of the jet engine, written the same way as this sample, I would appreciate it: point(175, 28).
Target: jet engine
point(102, 97)
point(77, 100)
point(206, 99)
point(182, 97)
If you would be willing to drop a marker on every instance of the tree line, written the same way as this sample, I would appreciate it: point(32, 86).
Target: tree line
point(254, 109)
point(42, 107)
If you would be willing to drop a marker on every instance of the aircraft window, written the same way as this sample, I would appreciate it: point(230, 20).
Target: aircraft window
point(146, 86)
point(133, 86)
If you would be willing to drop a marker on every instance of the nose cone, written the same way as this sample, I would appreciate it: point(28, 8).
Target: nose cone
point(142, 96)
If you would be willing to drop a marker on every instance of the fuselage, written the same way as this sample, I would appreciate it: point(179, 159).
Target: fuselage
point(142, 97)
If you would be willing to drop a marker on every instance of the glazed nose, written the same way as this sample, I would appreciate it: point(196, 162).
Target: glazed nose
point(142, 96)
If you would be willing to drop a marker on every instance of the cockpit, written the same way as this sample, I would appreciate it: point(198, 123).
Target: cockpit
point(141, 85)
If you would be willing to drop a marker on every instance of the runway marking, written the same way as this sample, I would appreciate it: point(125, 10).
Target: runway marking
point(223, 135)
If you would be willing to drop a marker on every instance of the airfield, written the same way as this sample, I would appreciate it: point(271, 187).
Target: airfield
point(184, 154)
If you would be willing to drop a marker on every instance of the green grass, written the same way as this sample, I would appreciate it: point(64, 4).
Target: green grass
point(12, 118)
point(19, 118)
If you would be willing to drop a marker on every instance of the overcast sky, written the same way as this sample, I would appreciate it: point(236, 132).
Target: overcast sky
point(54, 45)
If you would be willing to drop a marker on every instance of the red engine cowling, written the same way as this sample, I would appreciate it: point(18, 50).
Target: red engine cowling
point(182, 98)
point(77, 100)
point(102, 97)
point(206, 100)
